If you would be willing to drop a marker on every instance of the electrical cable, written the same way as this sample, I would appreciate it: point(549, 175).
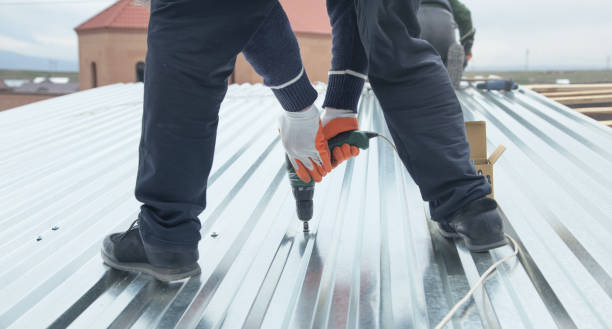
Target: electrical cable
point(478, 283)
point(389, 141)
point(482, 278)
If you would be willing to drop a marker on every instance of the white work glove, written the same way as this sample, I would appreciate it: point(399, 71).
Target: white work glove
point(305, 144)
point(336, 121)
point(330, 113)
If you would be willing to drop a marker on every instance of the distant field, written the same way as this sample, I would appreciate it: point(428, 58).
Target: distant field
point(537, 77)
point(28, 75)
point(523, 77)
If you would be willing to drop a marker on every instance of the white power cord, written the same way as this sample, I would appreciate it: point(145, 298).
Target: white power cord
point(480, 281)
point(483, 277)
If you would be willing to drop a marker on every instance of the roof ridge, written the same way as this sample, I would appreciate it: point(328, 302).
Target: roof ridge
point(105, 18)
point(114, 18)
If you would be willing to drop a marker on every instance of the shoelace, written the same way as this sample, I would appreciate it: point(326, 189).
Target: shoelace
point(132, 227)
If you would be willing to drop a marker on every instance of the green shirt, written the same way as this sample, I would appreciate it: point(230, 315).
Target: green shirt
point(463, 18)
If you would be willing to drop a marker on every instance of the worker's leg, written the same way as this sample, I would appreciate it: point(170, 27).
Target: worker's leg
point(438, 28)
point(349, 62)
point(192, 47)
point(274, 53)
point(420, 107)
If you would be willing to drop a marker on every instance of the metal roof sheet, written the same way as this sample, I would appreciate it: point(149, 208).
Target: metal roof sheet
point(372, 260)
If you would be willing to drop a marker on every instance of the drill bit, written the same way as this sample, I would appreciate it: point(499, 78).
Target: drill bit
point(304, 191)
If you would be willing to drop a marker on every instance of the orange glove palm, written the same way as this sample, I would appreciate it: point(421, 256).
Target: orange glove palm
point(336, 121)
point(305, 144)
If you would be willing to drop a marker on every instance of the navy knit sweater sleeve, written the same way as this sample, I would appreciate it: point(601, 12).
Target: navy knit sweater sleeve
point(349, 62)
point(275, 55)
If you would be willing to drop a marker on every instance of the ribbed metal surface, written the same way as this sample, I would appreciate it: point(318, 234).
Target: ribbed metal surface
point(371, 260)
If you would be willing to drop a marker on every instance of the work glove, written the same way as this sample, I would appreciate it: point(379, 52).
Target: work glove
point(305, 144)
point(337, 121)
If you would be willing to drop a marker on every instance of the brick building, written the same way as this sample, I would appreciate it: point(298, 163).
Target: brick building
point(112, 44)
point(311, 26)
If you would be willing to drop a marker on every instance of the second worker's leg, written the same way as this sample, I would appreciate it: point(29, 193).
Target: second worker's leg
point(425, 120)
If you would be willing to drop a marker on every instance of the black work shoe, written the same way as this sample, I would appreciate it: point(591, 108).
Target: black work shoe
point(478, 223)
point(127, 252)
point(447, 231)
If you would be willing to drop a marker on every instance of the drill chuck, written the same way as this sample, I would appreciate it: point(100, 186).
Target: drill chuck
point(304, 192)
point(303, 202)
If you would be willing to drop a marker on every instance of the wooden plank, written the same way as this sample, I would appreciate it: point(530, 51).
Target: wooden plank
point(578, 93)
point(596, 99)
point(594, 110)
point(607, 123)
point(571, 87)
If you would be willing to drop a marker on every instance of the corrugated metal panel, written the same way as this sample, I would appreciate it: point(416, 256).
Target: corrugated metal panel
point(371, 260)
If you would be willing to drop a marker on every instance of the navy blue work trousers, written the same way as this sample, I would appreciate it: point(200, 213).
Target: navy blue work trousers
point(192, 47)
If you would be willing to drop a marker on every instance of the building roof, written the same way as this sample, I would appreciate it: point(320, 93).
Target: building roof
point(47, 87)
point(308, 16)
point(372, 260)
point(124, 14)
point(3, 86)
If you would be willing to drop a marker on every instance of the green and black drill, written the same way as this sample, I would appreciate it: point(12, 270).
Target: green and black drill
point(304, 192)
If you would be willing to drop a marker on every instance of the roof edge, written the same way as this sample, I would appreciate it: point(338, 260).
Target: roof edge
point(101, 12)
point(109, 28)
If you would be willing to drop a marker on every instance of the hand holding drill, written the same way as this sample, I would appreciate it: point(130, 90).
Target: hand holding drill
point(336, 121)
point(305, 138)
point(305, 144)
point(308, 140)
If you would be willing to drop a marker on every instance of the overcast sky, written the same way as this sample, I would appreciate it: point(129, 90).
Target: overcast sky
point(44, 30)
point(558, 34)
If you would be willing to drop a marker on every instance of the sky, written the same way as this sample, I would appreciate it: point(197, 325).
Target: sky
point(556, 34)
point(45, 28)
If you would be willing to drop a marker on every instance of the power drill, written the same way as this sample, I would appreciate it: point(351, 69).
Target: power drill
point(304, 192)
point(506, 85)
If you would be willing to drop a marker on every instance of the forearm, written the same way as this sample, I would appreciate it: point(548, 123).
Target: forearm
point(467, 45)
point(349, 62)
point(463, 18)
point(275, 55)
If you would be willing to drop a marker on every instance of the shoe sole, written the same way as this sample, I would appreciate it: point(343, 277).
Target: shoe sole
point(161, 274)
point(483, 247)
point(447, 234)
point(454, 60)
point(474, 247)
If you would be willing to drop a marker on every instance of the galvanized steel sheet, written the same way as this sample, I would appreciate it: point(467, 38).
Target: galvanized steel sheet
point(371, 260)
